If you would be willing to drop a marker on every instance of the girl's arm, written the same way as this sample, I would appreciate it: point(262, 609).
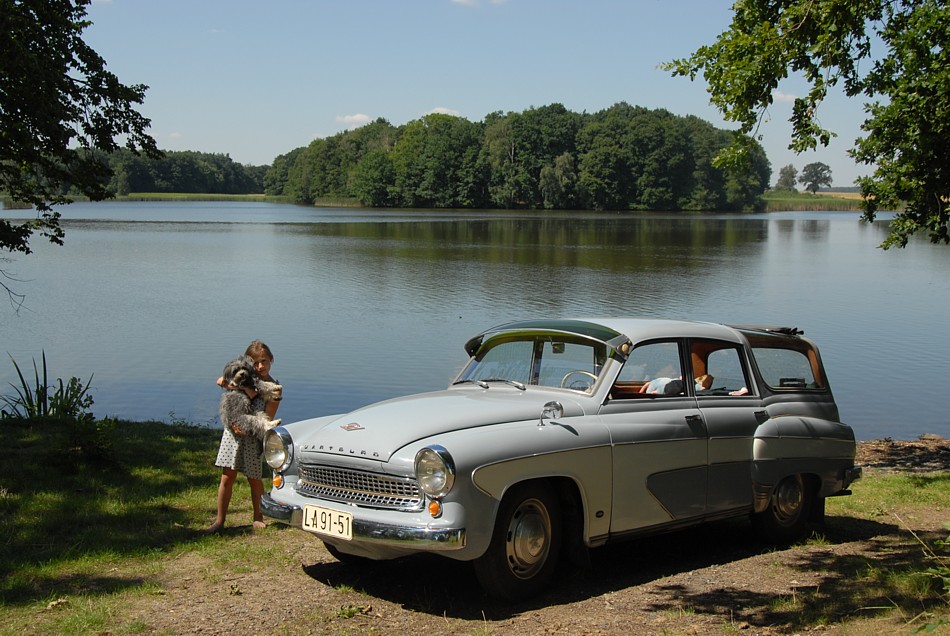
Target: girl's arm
point(251, 393)
point(270, 408)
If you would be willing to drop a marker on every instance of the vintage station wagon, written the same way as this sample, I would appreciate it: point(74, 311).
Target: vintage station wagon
point(561, 435)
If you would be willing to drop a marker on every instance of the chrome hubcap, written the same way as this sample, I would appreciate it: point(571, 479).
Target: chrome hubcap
point(788, 498)
point(528, 539)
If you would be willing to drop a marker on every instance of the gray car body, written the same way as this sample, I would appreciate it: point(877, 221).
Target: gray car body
point(635, 466)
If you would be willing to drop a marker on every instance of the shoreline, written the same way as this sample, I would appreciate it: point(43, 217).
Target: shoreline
point(927, 453)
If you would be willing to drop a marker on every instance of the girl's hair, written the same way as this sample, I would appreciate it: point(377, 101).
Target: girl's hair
point(258, 349)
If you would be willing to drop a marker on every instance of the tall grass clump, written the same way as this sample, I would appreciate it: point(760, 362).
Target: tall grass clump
point(67, 401)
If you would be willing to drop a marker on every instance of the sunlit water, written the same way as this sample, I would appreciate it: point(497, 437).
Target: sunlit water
point(362, 305)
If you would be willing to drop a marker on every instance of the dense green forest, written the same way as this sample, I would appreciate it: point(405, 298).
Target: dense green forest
point(188, 172)
point(624, 157)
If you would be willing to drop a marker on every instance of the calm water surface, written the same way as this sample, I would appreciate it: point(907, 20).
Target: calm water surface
point(361, 305)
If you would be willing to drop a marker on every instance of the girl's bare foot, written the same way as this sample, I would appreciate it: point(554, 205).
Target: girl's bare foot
point(214, 528)
point(259, 524)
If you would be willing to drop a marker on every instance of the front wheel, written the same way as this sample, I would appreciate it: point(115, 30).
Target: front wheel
point(786, 518)
point(523, 552)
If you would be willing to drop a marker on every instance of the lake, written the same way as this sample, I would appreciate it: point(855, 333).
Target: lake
point(363, 305)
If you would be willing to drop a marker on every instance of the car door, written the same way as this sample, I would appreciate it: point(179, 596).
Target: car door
point(732, 410)
point(658, 441)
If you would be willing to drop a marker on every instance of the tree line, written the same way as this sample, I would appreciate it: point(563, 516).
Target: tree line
point(183, 171)
point(621, 158)
point(814, 176)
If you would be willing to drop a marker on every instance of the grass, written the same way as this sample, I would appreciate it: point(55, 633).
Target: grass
point(777, 201)
point(329, 202)
point(85, 537)
point(184, 196)
point(67, 518)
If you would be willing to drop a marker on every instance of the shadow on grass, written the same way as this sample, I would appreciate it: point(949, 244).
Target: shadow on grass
point(71, 511)
point(439, 586)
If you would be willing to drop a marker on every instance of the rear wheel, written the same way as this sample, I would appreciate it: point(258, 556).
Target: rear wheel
point(786, 518)
point(523, 552)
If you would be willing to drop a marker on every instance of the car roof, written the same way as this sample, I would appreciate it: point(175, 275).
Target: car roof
point(616, 331)
point(639, 329)
point(613, 331)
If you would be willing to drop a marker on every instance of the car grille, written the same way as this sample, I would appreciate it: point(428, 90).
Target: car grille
point(358, 487)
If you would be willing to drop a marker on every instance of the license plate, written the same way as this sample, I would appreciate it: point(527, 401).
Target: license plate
point(331, 523)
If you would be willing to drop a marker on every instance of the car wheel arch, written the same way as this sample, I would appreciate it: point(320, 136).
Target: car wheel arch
point(556, 499)
point(783, 510)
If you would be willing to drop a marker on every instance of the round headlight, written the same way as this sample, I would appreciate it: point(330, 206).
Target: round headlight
point(278, 448)
point(435, 471)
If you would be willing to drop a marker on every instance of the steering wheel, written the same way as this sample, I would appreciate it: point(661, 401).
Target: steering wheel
point(580, 384)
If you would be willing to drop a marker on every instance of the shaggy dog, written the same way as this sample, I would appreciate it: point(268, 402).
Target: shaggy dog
point(235, 407)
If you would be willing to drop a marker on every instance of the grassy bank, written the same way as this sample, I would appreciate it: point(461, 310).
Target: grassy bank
point(805, 202)
point(775, 201)
point(328, 202)
point(91, 535)
point(183, 196)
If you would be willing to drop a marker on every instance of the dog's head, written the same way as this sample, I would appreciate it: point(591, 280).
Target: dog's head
point(239, 373)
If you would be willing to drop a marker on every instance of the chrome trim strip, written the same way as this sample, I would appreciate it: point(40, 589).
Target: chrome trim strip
point(373, 532)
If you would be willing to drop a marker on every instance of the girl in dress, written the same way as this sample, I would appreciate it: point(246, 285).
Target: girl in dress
point(241, 452)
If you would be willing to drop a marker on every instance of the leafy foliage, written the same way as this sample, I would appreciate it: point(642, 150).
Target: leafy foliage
point(815, 175)
point(787, 178)
point(183, 172)
point(624, 157)
point(830, 43)
point(59, 107)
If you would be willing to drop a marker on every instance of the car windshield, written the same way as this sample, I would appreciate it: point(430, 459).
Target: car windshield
point(540, 361)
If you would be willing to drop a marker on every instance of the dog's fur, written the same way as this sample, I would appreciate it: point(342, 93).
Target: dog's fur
point(235, 407)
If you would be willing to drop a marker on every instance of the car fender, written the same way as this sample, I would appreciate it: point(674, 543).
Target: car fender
point(794, 444)
point(573, 448)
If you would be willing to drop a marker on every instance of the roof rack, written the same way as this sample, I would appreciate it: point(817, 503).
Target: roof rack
point(785, 331)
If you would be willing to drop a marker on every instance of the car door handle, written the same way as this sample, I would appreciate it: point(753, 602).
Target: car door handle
point(694, 419)
point(761, 416)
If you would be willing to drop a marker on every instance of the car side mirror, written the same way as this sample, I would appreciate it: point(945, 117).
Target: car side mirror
point(551, 411)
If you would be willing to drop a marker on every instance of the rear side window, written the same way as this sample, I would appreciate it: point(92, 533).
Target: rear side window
point(725, 370)
point(788, 368)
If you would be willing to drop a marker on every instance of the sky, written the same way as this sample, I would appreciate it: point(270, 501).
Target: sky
point(255, 79)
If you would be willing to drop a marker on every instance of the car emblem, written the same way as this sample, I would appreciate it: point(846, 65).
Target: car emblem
point(352, 426)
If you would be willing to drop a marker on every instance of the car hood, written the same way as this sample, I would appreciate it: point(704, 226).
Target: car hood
point(377, 431)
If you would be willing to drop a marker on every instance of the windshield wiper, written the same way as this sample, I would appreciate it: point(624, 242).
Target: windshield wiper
point(480, 383)
point(514, 383)
point(484, 383)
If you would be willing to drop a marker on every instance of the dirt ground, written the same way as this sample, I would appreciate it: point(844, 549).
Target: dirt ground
point(716, 579)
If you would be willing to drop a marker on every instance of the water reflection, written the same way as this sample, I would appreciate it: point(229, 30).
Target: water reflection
point(360, 306)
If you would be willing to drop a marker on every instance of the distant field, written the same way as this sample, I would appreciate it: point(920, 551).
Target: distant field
point(802, 201)
point(843, 195)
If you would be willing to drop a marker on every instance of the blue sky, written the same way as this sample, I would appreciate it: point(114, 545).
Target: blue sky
point(255, 79)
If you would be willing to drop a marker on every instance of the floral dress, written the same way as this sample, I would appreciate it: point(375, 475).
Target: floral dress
point(243, 454)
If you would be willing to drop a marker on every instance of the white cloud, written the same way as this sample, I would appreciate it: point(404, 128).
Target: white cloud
point(353, 121)
point(779, 96)
point(442, 110)
point(175, 135)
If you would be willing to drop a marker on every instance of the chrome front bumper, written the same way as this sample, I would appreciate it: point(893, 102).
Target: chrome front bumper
point(427, 539)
